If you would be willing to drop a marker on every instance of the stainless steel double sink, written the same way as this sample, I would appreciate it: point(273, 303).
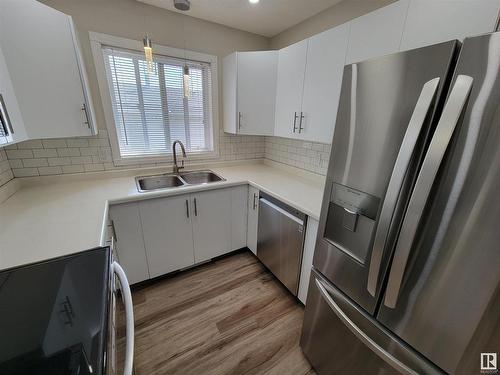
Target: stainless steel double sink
point(170, 180)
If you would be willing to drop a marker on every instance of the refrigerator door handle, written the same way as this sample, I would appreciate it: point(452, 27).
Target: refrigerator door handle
point(363, 337)
point(447, 124)
point(420, 114)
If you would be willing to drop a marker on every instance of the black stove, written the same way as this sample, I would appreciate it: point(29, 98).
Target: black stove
point(54, 315)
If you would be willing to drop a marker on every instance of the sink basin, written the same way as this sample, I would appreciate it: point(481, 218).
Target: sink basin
point(167, 181)
point(158, 182)
point(200, 177)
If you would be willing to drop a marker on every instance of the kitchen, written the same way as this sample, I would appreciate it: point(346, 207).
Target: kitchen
point(249, 187)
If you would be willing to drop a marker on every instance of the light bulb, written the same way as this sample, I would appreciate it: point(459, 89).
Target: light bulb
point(253, 1)
point(148, 53)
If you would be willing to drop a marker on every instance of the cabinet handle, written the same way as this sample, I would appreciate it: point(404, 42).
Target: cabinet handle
point(295, 116)
point(300, 123)
point(187, 208)
point(254, 201)
point(195, 208)
point(239, 120)
point(84, 109)
point(114, 230)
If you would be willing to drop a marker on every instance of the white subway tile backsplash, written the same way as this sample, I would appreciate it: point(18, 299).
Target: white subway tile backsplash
point(311, 156)
point(25, 172)
point(59, 161)
point(30, 163)
point(77, 142)
point(89, 154)
point(73, 169)
point(68, 152)
point(45, 153)
point(54, 143)
point(36, 143)
point(45, 171)
point(19, 154)
point(16, 163)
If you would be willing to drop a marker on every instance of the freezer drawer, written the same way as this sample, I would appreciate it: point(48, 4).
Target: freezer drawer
point(339, 338)
point(280, 240)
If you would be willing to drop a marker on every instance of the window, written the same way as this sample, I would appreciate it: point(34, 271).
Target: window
point(149, 108)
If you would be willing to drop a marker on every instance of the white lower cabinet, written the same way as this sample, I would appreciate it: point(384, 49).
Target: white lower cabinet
point(157, 236)
point(307, 258)
point(211, 223)
point(239, 218)
point(129, 244)
point(168, 236)
point(253, 218)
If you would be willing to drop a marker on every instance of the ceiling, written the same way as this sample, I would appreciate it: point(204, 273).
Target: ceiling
point(267, 18)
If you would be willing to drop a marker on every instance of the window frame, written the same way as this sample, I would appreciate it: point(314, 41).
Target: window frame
point(98, 41)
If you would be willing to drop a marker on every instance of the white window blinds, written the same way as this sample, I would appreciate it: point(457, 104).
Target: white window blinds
point(150, 109)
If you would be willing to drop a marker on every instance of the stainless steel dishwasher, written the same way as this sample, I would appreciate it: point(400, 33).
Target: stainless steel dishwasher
point(280, 240)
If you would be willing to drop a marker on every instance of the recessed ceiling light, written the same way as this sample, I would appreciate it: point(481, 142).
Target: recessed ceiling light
point(253, 1)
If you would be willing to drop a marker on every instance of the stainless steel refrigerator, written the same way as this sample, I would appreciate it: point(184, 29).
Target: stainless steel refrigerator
point(406, 270)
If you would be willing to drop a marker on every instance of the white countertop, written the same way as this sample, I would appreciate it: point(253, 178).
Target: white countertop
point(60, 216)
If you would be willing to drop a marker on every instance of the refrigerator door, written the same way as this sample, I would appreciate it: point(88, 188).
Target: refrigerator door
point(338, 337)
point(386, 112)
point(443, 291)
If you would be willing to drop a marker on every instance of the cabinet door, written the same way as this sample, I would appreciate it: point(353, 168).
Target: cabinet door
point(239, 215)
point(377, 33)
point(211, 223)
point(307, 258)
point(323, 80)
point(290, 85)
point(38, 43)
point(435, 21)
point(11, 109)
point(257, 74)
point(129, 242)
point(229, 82)
point(168, 234)
point(253, 218)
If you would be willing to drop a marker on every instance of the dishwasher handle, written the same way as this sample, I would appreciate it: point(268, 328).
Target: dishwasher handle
point(281, 211)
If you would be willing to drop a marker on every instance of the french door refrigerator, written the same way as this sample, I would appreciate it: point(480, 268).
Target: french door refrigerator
point(406, 270)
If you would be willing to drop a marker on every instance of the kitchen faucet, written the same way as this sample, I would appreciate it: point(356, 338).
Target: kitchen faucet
point(176, 167)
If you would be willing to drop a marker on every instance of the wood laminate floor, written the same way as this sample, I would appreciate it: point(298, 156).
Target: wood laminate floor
point(230, 316)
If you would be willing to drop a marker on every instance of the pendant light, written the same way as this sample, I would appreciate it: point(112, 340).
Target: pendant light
point(148, 52)
point(148, 44)
point(186, 81)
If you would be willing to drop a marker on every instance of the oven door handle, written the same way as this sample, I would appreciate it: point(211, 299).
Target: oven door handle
point(129, 314)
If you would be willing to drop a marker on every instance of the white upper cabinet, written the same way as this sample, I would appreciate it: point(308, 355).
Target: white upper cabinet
point(11, 122)
point(377, 33)
point(249, 91)
point(435, 21)
point(43, 60)
point(290, 86)
point(323, 80)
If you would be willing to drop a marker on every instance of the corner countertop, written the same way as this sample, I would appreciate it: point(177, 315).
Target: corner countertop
point(50, 217)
